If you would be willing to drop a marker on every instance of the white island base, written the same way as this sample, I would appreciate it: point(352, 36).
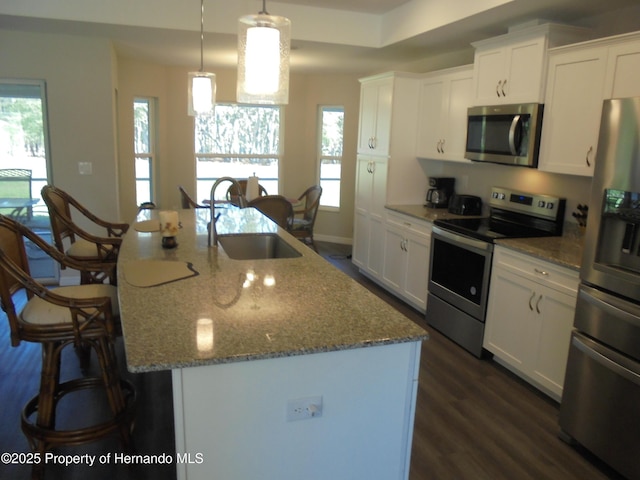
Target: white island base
point(232, 418)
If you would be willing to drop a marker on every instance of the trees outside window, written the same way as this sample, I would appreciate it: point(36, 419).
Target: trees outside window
point(238, 141)
point(144, 148)
point(330, 142)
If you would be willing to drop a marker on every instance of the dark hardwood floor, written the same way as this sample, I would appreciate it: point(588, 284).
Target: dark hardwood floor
point(474, 419)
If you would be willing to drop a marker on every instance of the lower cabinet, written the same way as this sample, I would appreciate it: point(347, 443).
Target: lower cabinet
point(405, 270)
point(530, 318)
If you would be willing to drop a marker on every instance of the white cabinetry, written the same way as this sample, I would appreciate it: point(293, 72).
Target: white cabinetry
point(407, 243)
point(530, 317)
point(573, 104)
point(371, 184)
point(580, 77)
point(375, 116)
point(511, 68)
point(390, 176)
point(442, 116)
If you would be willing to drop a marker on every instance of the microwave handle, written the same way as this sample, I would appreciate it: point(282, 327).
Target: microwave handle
point(512, 135)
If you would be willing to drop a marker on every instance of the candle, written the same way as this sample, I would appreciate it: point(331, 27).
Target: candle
point(169, 223)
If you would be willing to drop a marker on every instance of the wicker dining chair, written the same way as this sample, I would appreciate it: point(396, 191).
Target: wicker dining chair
point(276, 207)
point(82, 316)
point(305, 218)
point(232, 191)
point(187, 201)
point(74, 241)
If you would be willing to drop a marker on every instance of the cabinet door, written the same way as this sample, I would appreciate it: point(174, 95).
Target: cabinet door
point(523, 71)
point(382, 134)
point(554, 317)
point(361, 235)
point(375, 117)
point(395, 258)
point(459, 99)
point(378, 187)
point(573, 107)
point(623, 71)
point(509, 317)
point(368, 109)
point(417, 250)
point(430, 125)
point(489, 67)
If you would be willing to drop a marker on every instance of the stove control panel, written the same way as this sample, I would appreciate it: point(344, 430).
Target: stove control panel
point(538, 205)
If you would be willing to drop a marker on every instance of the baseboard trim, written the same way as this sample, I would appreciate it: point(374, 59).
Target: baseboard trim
point(333, 239)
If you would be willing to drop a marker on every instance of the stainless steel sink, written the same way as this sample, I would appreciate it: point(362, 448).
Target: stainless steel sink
point(256, 246)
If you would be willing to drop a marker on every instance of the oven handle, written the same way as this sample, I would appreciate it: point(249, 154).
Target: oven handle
point(598, 354)
point(461, 239)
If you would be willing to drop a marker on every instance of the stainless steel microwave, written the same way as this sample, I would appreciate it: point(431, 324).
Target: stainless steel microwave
point(508, 134)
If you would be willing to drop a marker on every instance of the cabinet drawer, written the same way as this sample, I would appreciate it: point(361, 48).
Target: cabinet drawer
point(413, 224)
point(540, 271)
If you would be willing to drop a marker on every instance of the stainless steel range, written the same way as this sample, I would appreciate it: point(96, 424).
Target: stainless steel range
point(461, 255)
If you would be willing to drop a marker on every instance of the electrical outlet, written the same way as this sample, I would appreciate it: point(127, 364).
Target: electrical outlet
point(302, 408)
point(85, 168)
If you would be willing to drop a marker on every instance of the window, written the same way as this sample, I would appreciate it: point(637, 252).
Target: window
point(24, 148)
point(331, 126)
point(144, 147)
point(25, 165)
point(238, 141)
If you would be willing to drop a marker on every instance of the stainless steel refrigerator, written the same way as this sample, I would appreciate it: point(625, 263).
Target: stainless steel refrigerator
point(600, 406)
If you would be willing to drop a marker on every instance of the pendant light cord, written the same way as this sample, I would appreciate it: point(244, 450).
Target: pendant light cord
point(202, 35)
point(264, 8)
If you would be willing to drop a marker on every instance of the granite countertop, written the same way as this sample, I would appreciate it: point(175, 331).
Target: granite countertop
point(239, 310)
point(565, 251)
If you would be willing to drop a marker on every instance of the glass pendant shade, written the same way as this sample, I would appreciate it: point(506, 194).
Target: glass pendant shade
point(263, 59)
point(202, 93)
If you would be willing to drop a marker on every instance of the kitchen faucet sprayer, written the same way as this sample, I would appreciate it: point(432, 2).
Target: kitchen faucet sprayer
point(242, 203)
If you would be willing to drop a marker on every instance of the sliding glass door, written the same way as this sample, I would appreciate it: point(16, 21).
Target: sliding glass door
point(25, 165)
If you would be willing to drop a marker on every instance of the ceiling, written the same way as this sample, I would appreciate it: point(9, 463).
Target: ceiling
point(355, 36)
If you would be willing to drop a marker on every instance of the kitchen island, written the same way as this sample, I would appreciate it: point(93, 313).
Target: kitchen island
point(255, 344)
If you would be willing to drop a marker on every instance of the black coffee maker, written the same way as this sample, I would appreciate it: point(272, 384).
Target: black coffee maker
point(441, 191)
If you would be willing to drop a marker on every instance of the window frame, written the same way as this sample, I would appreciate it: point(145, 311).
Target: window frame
point(151, 155)
point(320, 157)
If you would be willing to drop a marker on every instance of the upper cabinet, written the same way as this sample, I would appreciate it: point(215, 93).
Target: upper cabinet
point(375, 116)
point(580, 78)
point(511, 68)
point(575, 89)
point(442, 116)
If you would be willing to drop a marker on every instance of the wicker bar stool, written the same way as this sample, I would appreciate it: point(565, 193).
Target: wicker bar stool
point(72, 240)
point(80, 316)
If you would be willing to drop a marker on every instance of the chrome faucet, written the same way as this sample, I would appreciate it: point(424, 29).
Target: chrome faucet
point(242, 203)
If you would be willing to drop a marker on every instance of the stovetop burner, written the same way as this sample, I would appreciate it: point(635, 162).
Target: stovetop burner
point(513, 215)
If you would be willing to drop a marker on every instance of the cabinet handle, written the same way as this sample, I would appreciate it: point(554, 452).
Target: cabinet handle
point(438, 146)
point(538, 304)
point(373, 142)
point(504, 84)
point(373, 167)
point(498, 88)
point(587, 157)
point(531, 306)
point(541, 272)
point(442, 146)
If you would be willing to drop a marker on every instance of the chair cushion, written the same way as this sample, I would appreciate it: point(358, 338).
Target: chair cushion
point(40, 312)
point(82, 248)
point(301, 224)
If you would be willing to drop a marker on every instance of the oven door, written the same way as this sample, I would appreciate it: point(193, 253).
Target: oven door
point(460, 267)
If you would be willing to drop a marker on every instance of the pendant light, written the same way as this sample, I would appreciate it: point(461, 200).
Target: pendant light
point(263, 59)
point(202, 85)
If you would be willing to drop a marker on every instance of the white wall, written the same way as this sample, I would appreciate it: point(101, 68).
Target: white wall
point(79, 82)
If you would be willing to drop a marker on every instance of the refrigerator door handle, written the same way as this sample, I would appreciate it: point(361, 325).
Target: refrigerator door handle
point(598, 354)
